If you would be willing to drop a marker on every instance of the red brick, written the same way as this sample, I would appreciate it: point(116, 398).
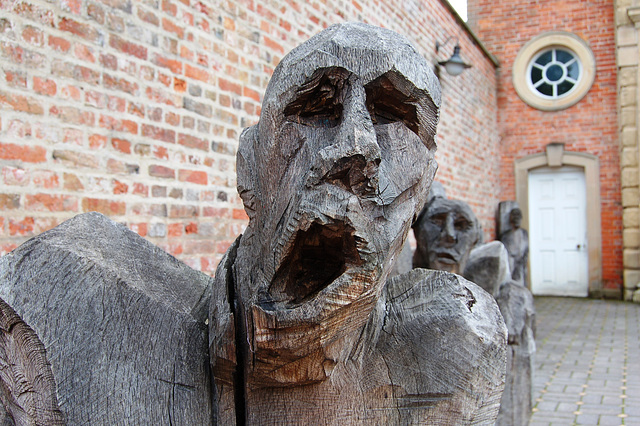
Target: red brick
point(33, 35)
point(22, 227)
point(271, 44)
point(79, 159)
point(29, 154)
point(175, 229)
point(148, 16)
point(240, 214)
point(9, 201)
point(120, 187)
point(97, 141)
point(191, 228)
point(51, 203)
point(193, 176)
point(95, 99)
point(72, 115)
point(193, 142)
point(169, 7)
point(251, 94)
point(109, 61)
point(15, 176)
point(228, 86)
point(172, 64)
point(121, 84)
point(165, 135)
point(21, 103)
point(106, 207)
point(161, 172)
point(44, 86)
point(121, 145)
point(45, 179)
point(182, 211)
point(72, 182)
point(84, 53)
point(140, 189)
point(119, 125)
point(194, 247)
point(127, 47)
point(168, 25)
point(196, 73)
point(82, 30)
point(15, 78)
point(179, 85)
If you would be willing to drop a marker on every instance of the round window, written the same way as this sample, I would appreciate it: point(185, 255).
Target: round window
point(553, 71)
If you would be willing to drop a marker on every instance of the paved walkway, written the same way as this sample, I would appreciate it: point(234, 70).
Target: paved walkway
point(587, 362)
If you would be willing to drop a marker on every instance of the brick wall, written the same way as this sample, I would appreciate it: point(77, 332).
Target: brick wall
point(589, 126)
point(134, 108)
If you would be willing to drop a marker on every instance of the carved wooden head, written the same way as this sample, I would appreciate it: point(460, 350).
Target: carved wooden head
point(331, 177)
point(445, 232)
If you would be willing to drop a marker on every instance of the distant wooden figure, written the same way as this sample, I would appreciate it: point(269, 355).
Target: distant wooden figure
point(303, 329)
point(446, 231)
point(516, 241)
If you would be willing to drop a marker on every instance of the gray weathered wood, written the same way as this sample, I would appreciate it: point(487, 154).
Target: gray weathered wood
point(122, 323)
point(332, 177)
point(516, 305)
point(488, 266)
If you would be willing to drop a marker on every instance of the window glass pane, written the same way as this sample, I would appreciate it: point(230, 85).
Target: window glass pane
point(536, 74)
point(544, 59)
point(573, 71)
point(563, 56)
point(564, 87)
point(554, 73)
point(545, 89)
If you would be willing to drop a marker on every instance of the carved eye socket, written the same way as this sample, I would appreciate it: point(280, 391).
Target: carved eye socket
point(319, 101)
point(439, 219)
point(387, 104)
point(461, 224)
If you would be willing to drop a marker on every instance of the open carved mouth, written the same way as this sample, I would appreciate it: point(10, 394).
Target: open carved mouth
point(448, 258)
point(316, 258)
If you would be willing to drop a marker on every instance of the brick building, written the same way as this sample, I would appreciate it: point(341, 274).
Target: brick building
point(134, 108)
point(558, 125)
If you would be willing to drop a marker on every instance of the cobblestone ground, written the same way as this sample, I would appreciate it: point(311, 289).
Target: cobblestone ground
point(587, 362)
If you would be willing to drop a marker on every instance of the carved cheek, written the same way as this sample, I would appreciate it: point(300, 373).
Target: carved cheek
point(404, 157)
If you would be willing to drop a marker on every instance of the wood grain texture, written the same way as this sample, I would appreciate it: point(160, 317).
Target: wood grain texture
point(332, 176)
point(122, 322)
point(27, 386)
point(517, 308)
point(433, 352)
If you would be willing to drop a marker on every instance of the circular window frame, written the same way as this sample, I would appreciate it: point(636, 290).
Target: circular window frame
point(563, 40)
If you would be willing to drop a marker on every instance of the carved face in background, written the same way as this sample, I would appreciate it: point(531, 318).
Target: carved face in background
point(446, 233)
point(334, 173)
point(515, 218)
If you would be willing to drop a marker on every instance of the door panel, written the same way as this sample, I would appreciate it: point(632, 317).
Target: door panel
point(557, 232)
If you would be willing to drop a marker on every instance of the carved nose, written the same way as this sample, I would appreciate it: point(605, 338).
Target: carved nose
point(355, 174)
point(353, 158)
point(449, 231)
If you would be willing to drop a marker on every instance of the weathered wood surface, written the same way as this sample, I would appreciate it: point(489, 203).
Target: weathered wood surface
point(332, 177)
point(122, 323)
point(446, 230)
point(488, 266)
point(517, 308)
point(28, 391)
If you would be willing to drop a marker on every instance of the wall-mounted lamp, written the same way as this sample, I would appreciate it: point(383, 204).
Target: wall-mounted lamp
point(454, 65)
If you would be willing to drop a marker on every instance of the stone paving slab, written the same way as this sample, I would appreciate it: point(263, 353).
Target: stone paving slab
point(587, 362)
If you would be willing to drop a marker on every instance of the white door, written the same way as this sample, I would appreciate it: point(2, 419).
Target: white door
point(558, 232)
